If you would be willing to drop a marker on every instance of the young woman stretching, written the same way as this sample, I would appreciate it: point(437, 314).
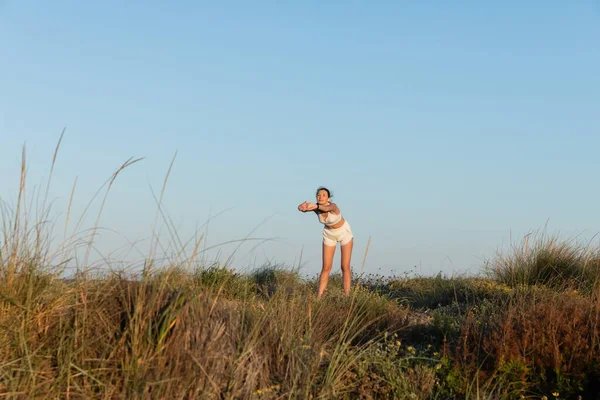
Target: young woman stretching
point(336, 229)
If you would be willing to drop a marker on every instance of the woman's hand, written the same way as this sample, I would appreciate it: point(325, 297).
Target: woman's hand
point(311, 206)
point(303, 207)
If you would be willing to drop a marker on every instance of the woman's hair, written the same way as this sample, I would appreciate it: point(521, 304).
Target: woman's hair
point(325, 189)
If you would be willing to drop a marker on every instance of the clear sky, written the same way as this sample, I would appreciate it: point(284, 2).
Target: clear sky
point(446, 130)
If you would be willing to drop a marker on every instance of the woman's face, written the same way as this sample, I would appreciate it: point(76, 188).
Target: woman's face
point(322, 197)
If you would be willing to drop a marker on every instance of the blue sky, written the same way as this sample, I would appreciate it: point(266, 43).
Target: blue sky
point(445, 130)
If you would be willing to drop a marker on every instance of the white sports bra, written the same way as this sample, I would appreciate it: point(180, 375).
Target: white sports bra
point(331, 219)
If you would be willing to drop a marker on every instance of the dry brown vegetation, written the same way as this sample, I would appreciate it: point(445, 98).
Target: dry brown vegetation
point(184, 330)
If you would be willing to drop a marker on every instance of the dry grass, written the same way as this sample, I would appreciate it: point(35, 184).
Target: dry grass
point(182, 330)
point(165, 334)
point(540, 259)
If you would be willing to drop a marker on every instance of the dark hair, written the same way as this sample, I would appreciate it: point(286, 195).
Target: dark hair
point(325, 189)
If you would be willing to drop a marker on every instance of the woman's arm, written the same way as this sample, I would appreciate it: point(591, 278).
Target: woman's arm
point(332, 207)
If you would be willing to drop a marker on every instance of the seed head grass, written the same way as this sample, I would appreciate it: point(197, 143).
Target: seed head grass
point(180, 327)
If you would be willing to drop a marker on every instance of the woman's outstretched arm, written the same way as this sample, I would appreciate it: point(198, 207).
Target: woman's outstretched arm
point(331, 207)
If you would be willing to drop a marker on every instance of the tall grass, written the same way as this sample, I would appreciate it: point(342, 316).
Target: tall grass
point(168, 331)
point(550, 261)
point(180, 329)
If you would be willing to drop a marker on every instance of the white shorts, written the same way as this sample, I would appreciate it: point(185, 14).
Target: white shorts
point(343, 234)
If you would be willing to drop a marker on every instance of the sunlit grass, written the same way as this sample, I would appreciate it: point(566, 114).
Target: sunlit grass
point(176, 328)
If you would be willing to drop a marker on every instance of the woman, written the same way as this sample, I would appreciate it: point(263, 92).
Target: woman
point(336, 229)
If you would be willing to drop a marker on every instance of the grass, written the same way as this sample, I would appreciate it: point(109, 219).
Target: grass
point(549, 261)
point(528, 328)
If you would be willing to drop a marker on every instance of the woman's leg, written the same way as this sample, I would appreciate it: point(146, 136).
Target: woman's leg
point(346, 273)
point(328, 252)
